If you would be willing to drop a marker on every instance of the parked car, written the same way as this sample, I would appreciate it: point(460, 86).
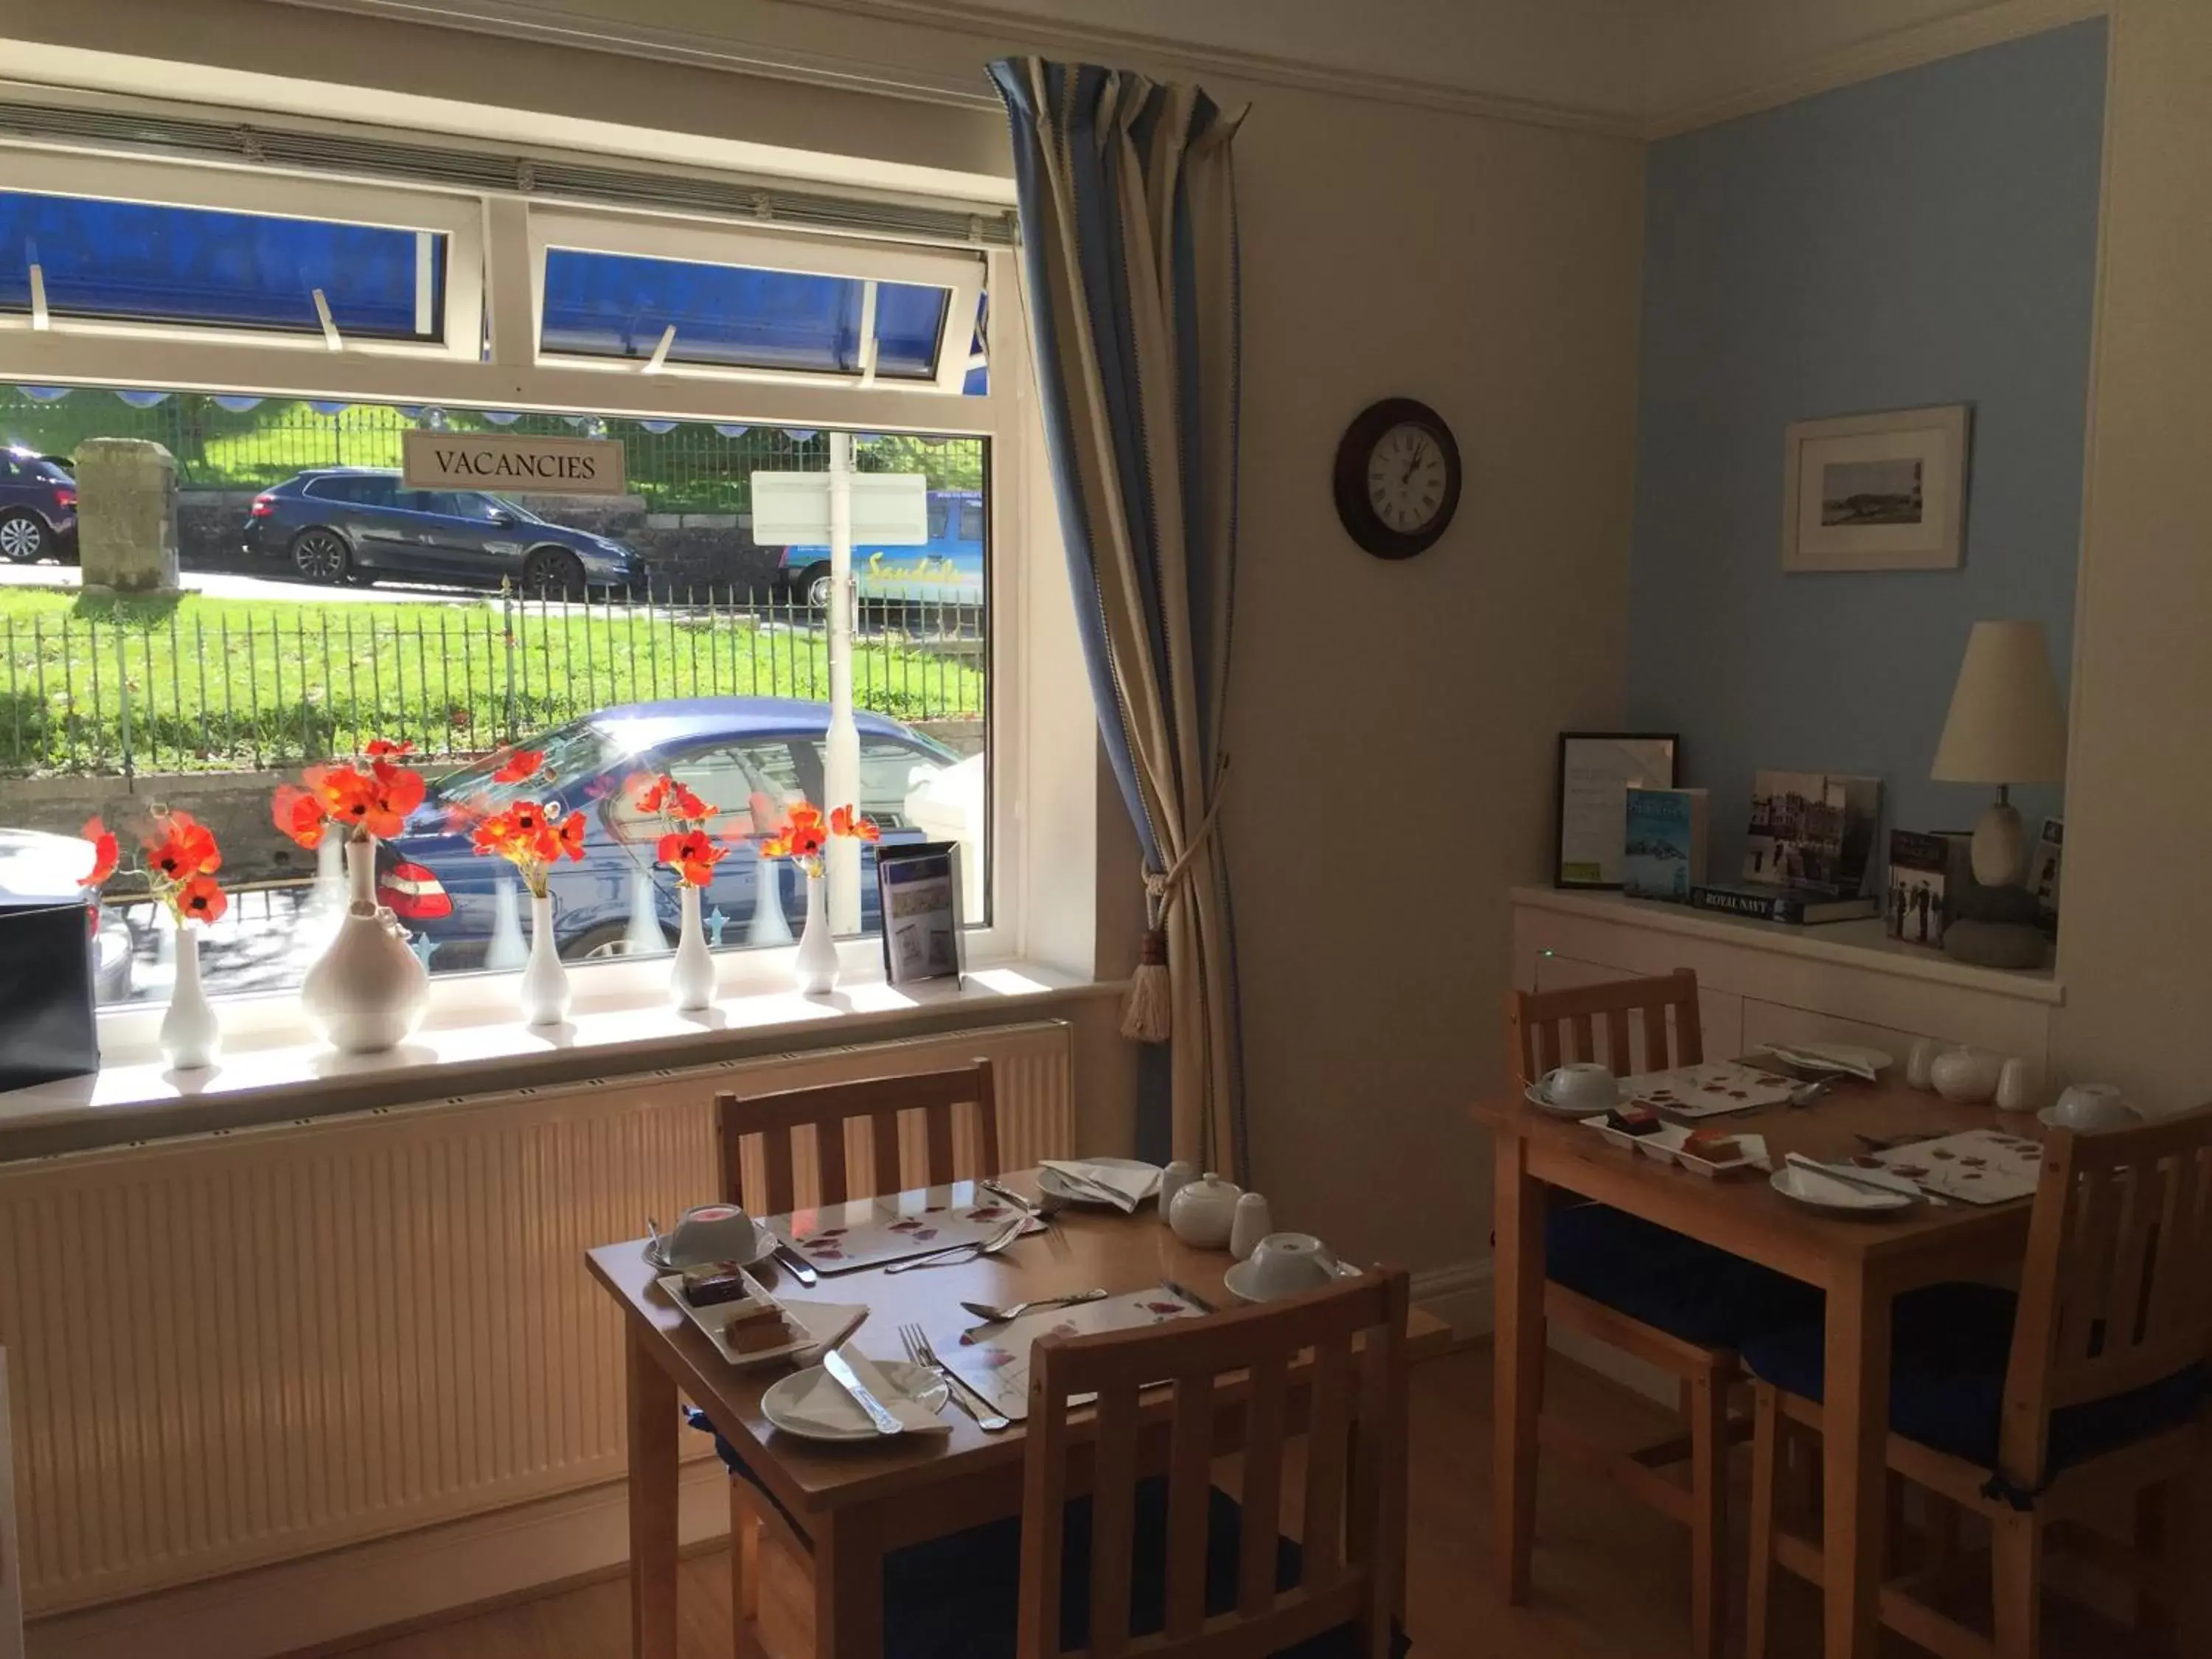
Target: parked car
point(38, 509)
point(749, 757)
point(355, 523)
point(947, 570)
point(37, 865)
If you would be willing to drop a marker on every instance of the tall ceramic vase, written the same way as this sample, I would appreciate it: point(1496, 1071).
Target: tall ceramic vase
point(545, 992)
point(367, 992)
point(692, 976)
point(189, 1036)
point(817, 952)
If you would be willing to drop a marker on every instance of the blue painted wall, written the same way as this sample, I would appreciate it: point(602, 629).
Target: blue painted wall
point(1930, 237)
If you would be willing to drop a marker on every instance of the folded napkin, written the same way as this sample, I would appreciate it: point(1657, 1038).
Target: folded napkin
point(1812, 1057)
point(1125, 1188)
point(823, 1403)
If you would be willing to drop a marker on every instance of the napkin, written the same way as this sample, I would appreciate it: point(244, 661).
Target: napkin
point(823, 1403)
point(1129, 1187)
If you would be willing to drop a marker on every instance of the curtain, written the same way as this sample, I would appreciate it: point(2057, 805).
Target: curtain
point(1129, 212)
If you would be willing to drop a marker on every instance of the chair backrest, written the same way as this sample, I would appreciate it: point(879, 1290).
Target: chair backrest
point(1545, 1029)
point(2117, 1288)
point(848, 1118)
point(1348, 1392)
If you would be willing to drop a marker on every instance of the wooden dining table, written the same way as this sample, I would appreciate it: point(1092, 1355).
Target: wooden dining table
point(1862, 1261)
point(852, 1503)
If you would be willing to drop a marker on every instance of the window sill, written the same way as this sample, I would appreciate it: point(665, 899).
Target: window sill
point(134, 1097)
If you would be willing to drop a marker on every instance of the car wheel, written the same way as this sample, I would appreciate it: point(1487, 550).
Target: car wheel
point(22, 537)
point(816, 585)
point(551, 572)
point(321, 556)
point(608, 940)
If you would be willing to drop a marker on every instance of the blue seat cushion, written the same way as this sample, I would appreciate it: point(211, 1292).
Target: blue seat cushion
point(955, 1597)
point(1687, 1289)
point(1949, 1345)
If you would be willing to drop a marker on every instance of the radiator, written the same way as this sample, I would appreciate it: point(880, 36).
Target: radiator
point(237, 1348)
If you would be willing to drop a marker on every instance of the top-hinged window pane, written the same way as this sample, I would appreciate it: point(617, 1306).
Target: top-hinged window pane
point(143, 263)
point(613, 305)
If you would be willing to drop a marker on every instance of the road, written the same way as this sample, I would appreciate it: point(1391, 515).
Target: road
point(222, 585)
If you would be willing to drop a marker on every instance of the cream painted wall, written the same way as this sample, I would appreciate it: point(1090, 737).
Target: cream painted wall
point(2136, 951)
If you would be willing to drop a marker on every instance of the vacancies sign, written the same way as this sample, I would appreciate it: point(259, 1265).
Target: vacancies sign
point(506, 464)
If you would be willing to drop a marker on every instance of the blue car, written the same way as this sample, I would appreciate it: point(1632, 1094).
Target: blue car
point(354, 524)
point(38, 509)
point(947, 570)
point(749, 757)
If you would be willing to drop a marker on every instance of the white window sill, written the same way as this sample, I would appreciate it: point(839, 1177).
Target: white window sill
point(283, 1076)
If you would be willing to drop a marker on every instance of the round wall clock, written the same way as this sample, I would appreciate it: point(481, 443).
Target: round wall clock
point(1397, 478)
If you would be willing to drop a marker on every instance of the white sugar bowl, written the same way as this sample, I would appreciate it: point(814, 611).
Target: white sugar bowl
point(1966, 1076)
point(1204, 1213)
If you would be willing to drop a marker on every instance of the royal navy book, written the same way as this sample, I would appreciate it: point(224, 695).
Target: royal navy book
point(1792, 905)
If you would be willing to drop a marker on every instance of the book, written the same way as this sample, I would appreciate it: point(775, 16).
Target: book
point(1664, 854)
point(918, 888)
point(1812, 832)
point(2043, 872)
point(1919, 898)
point(1770, 903)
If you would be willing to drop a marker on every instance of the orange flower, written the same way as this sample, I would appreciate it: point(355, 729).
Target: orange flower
point(844, 821)
point(571, 836)
point(105, 853)
point(495, 834)
point(693, 855)
point(522, 765)
point(652, 793)
point(202, 900)
point(689, 808)
point(527, 820)
point(183, 848)
point(300, 815)
point(378, 748)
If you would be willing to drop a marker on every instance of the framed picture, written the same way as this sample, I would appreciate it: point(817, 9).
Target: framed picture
point(1597, 770)
point(1876, 492)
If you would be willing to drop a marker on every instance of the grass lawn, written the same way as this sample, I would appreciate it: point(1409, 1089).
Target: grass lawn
point(196, 683)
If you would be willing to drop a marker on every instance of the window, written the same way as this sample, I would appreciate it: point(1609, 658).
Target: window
point(362, 490)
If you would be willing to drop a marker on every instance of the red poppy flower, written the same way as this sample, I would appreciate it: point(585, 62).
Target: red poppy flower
point(693, 855)
point(182, 848)
point(300, 815)
point(688, 807)
point(527, 817)
point(651, 792)
point(202, 900)
point(378, 748)
point(105, 853)
point(844, 821)
point(571, 836)
point(494, 833)
point(521, 765)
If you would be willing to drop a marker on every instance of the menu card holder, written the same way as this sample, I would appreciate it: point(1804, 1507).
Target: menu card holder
point(48, 1026)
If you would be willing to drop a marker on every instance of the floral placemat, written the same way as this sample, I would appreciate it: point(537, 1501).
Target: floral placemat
point(995, 1358)
point(1977, 1166)
point(868, 1232)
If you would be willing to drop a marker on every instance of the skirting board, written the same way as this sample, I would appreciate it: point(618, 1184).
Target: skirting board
point(324, 1600)
point(1463, 1296)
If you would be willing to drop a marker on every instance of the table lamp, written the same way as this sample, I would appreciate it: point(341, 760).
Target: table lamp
point(2006, 727)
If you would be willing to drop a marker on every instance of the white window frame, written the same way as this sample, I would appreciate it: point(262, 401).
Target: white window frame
point(459, 219)
point(1037, 708)
point(725, 246)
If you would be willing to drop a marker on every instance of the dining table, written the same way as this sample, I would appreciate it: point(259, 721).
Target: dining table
point(1862, 1261)
point(852, 1503)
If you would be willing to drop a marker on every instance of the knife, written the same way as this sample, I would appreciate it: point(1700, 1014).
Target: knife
point(840, 1370)
point(1866, 1181)
point(1195, 1300)
point(795, 1264)
point(1098, 1189)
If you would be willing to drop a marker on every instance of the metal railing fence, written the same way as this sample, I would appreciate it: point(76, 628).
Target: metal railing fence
point(117, 686)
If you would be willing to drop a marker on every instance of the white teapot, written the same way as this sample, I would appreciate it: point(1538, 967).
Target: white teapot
point(1204, 1213)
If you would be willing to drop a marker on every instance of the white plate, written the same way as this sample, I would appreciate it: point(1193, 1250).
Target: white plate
point(1845, 1053)
point(1051, 1181)
point(1535, 1097)
point(926, 1387)
point(1665, 1144)
point(763, 1247)
point(1809, 1186)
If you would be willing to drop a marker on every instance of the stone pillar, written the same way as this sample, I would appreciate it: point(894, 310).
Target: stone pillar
point(127, 515)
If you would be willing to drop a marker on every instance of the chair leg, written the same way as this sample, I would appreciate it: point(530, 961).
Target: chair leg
point(2016, 1579)
point(1707, 1399)
point(2154, 1545)
point(1766, 1457)
point(744, 1573)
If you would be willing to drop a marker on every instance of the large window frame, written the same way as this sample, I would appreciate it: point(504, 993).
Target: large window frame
point(494, 284)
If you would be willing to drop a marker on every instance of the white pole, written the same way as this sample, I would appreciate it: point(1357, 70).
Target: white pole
point(841, 780)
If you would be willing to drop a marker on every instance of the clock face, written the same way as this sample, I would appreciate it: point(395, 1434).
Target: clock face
point(1406, 477)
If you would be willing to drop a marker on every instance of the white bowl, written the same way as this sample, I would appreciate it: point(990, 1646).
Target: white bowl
point(712, 1233)
point(1285, 1264)
point(2089, 1107)
point(1584, 1086)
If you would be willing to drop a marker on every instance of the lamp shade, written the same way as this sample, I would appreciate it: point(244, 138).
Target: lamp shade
point(2006, 724)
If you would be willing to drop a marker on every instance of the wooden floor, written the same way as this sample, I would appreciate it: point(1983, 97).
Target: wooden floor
point(1612, 1579)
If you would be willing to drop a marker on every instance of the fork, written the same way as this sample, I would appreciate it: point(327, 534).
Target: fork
point(919, 1350)
point(961, 1254)
point(991, 1315)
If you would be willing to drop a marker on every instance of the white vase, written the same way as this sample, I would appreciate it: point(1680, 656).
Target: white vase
point(817, 965)
point(507, 949)
point(189, 1037)
point(644, 936)
point(367, 992)
point(692, 976)
point(545, 992)
point(769, 926)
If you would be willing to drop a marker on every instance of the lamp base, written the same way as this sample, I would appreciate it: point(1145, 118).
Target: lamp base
point(1995, 944)
point(2000, 845)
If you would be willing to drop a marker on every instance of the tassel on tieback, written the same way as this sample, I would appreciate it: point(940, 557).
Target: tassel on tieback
point(1146, 1016)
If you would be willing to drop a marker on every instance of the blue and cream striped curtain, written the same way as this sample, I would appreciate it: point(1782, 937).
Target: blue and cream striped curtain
point(1129, 209)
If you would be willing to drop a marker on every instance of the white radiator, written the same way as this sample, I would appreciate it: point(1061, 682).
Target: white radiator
point(237, 1348)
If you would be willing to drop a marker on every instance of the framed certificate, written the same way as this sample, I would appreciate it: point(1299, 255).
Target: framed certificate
point(918, 886)
point(1596, 771)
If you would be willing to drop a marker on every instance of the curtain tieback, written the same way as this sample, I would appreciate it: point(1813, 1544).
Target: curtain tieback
point(1146, 1015)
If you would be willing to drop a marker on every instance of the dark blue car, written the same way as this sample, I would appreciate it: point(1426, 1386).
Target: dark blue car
point(355, 523)
point(38, 509)
point(947, 570)
point(749, 757)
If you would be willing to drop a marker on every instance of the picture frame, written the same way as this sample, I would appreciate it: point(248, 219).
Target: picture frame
point(1590, 803)
point(1876, 492)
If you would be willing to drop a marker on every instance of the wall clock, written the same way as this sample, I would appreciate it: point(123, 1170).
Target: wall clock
point(1397, 478)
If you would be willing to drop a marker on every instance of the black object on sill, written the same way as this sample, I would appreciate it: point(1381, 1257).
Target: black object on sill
point(48, 1026)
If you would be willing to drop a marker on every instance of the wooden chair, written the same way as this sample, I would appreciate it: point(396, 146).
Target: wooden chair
point(1624, 1272)
point(841, 1119)
point(2096, 1394)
